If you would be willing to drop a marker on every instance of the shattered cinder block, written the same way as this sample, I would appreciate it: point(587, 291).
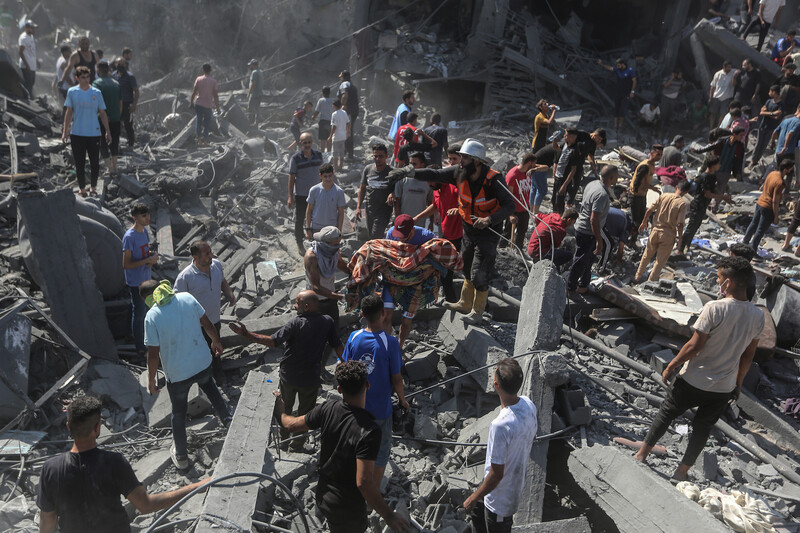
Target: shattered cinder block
point(423, 366)
point(472, 347)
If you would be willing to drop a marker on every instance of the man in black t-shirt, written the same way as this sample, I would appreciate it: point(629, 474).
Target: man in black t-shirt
point(350, 443)
point(376, 190)
point(79, 490)
point(438, 133)
point(307, 337)
point(706, 187)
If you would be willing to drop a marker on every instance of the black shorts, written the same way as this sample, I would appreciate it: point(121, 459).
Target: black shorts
point(324, 130)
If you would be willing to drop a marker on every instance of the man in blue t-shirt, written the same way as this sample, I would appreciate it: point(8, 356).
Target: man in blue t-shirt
point(136, 263)
point(381, 353)
point(405, 231)
point(787, 134)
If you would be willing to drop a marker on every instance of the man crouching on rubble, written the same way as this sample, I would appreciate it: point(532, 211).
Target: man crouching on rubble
point(712, 364)
point(350, 443)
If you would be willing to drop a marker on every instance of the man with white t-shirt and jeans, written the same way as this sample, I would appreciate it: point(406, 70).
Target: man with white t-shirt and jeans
point(340, 131)
point(28, 62)
point(493, 504)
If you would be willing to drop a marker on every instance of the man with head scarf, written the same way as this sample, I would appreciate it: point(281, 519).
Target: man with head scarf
point(321, 262)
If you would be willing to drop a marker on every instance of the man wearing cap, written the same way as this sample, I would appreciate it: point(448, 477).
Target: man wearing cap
point(483, 203)
point(255, 91)
point(321, 262)
point(27, 56)
point(673, 154)
point(404, 231)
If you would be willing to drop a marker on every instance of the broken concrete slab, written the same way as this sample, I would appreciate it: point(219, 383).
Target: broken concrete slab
point(783, 305)
point(62, 263)
point(149, 468)
point(15, 347)
point(542, 306)
point(472, 347)
point(118, 384)
point(423, 366)
point(158, 407)
point(569, 525)
point(245, 450)
point(716, 37)
point(634, 496)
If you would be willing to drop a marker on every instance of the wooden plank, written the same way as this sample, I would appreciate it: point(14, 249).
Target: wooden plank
point(164, 235)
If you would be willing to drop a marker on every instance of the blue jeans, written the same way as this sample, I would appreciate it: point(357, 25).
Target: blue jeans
point(179, 396)
point(204, 117)
point(538, 188)
point(138, 311)
point(580, 274)
point(386, 441)
point(762, 218)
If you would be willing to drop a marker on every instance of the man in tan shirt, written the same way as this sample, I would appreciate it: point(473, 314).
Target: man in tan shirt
point(769, 204)
point(670, 212)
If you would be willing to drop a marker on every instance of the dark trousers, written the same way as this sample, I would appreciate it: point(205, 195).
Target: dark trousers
point(558, 257)
point(205, 116)
point(348, 143)
point(669, 106)
point(485, 521)
point(638, 209)
point(558, 199)
point(28, 78)
point(580, 274)
point(682, 396)
point(695, 219)
point(763, 30)
point(300, 205)
point(377, 220)
point(479, 250)
point(574, 187)
point(330, 307)
point(447, 280)
point(216, 360)
point(127, 121)
point(306, 399)
point(138, 312)
point(357, 523)
point(107, 150)
point(523, 218)
point(81, 147)
point(762, 218)
point(761, 144)
point(179, 396)
point(254, 108)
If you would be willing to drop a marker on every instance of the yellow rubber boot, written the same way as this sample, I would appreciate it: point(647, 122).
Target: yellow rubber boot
point(464, 304)
point(476, 316)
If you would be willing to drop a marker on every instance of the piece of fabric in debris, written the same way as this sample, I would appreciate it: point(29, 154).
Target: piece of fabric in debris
point(412, 272)
point(327, 257)
point(741, 510)
point(671, 175)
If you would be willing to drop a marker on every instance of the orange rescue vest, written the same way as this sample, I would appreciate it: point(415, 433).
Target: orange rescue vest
point(480, 206)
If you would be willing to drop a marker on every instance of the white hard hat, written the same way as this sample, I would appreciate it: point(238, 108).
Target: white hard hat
point(473, 148)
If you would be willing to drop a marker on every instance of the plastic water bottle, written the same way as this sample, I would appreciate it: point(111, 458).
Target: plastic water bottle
point(554, 136)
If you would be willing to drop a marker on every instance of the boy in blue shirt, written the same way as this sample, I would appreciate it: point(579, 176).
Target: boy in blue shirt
point(136, 263)
point(381, 354)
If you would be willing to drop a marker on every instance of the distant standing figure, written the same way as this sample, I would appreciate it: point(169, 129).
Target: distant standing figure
point(720, 93)
point(401, 114)
point(204, 95)
point(130, 98)
point(768, 11)
point(63, 86)
point(84, 104)
point(340, 132)
point(255, 91)
point(28, 62)
point(298, 121)
point(348, 95)
point(543, 120)
point(82, 57)
point(438, 133)
point(323, 111)
point(112, 95)
point(304, 168)
point(624, 90)
point(136, 263)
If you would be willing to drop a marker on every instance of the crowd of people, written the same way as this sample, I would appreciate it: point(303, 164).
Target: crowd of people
point(420, 192)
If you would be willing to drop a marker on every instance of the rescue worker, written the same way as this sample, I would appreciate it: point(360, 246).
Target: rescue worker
point(483, 204)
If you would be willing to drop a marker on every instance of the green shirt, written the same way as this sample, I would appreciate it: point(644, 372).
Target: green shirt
point(112, 95)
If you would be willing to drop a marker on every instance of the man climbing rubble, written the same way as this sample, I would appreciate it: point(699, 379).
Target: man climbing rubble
point(641, 183)
point(79, 490)
point(321, 262)
point(483, 203)
point(712, 365)
point(172, 335)
point(670, 212)
point(307, 337)
point(349, 449)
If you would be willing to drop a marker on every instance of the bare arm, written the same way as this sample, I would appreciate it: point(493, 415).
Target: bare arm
point(22, 56)
point(68, 67)
point(689, 350)
point(150, 503)
point(563, 190)
point(241, 329)
point(490, 483)
point(216, 99)
point(309, 213)
point(397, 386)
point(339, 218)
point(347, 131)
point(211, 331)
point(430, 210)
point(228, 292)
point(647, 215)
point(633, 87)
point(597, 231)
point(153, 357)
point(135, 99)
point(776, 205)
point(745, 361)
point(314, 277)
point(365, 480)
point(552, 117)
point(362, 192)
point(290, 200)
point(48, 521)
point(128, 263)
point(67, 124)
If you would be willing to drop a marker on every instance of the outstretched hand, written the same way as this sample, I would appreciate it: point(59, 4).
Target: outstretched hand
point(239, 328)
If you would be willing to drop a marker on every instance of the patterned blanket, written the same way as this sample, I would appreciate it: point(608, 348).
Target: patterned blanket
point(412, 273)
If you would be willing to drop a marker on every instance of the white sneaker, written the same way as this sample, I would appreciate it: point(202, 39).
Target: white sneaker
point(181, 463)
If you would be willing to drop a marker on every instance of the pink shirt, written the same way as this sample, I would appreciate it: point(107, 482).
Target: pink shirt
point(205, 86)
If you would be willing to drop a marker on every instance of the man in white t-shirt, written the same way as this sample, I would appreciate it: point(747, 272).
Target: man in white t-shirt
point(720, 93)
point(768, 11)
point(27, 56)
point(712, 364)
point(340, 131)
point(493, 504)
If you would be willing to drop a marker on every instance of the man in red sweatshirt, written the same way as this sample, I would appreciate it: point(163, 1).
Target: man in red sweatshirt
point(551, 225)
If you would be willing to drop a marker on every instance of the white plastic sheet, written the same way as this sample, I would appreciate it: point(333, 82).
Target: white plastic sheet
point(743, 511)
